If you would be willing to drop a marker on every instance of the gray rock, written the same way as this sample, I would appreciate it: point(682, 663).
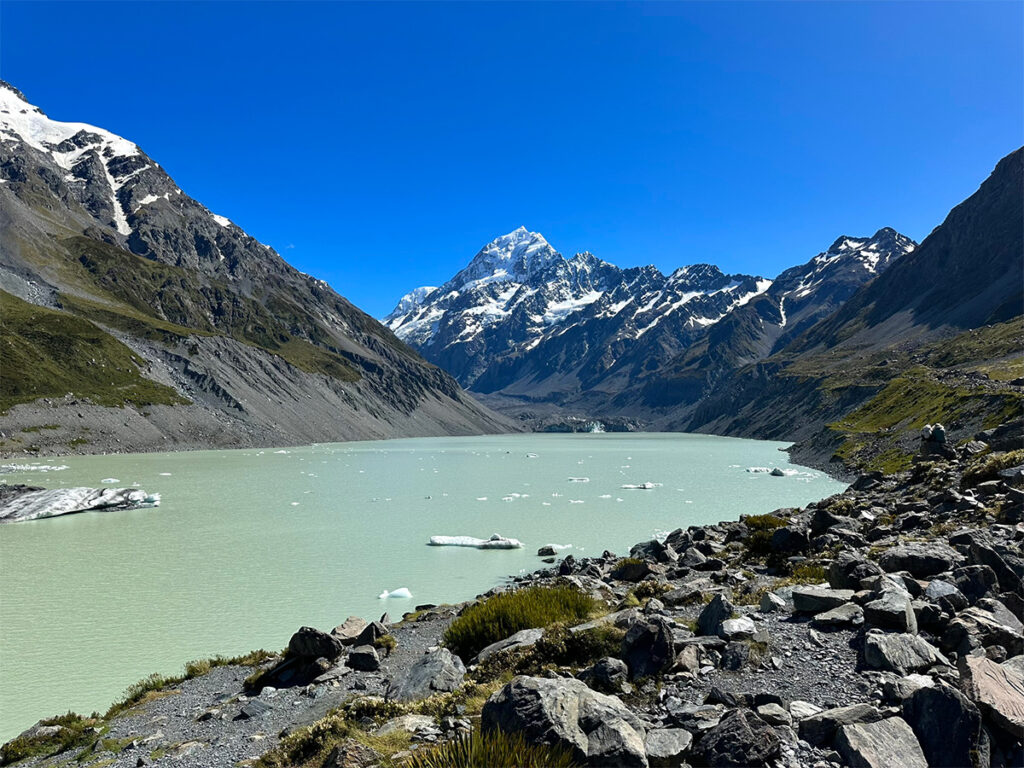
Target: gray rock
point(408, 723)
point(790, 540)
point(667, 746)
point(521, 639)
point(774, 714)
point(947, 725)
point(737, 629)
point(713, 614)
point(883, 744)
point(803, 709)
point(741, 738)
point(436, 672)
point(547, 551)
point(648, 647)
point(816, 600)
point(893, 610)
point(847, 570)
point(351, 754)
point(849, 615)
point(920, 560)
point(998, 693)
point(608, 675)
point(349, 630)
point(371, 633)
point(311, 643)
point(900, 653)
point(254, 708)
point(735, 656)
point(364, 658)
point(598, 729)
point(771, 603)
point(820, 729)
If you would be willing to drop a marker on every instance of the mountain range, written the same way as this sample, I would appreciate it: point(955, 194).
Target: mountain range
point(135, 318)
point(849, 352)
point(524, 325)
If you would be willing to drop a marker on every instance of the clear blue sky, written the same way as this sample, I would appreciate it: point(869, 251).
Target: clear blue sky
point(379, 146)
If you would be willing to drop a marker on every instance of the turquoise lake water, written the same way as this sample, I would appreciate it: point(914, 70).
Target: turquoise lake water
point(248, 545)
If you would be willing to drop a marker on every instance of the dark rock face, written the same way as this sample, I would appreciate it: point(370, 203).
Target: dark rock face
point(740, 739)
point(947, 725)
point(921, 561)
point(363, 658)
point(311, 643)
point(714, 613)
point(648, 647)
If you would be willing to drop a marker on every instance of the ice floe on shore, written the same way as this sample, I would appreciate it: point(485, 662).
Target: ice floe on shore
point(400, 592)
point(35, 505)
point(496, 541)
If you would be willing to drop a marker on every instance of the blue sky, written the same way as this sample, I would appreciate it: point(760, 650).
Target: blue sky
point(378, 146)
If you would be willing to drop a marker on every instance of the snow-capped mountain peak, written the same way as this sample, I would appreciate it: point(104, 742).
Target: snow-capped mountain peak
point(515, 256)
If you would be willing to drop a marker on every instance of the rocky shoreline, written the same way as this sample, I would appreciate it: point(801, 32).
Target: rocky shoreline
point(878, 627)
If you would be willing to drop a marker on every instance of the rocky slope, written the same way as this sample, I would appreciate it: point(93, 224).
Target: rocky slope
point(878, 627)
point(118, 289)
point(536, 333)
point(935, 337)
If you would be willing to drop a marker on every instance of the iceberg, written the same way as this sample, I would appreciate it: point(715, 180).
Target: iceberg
point(638, 487)
point(400, 592)
point(579, 479)
point(38, 504)
point(496, 541)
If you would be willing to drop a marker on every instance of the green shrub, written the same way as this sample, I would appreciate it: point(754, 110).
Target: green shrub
point(650, 588)
point(505, 614)
point(386, 643)
point(988, 467)
point(76, 731)
point(494, 749)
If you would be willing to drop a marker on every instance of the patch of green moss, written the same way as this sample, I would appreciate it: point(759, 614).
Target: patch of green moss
point(48, 353)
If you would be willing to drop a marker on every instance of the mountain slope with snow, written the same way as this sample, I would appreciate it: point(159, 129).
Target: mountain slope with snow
point(209, 336)
point(522, 319)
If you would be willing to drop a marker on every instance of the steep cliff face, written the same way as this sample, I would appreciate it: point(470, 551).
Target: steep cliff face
point(232, 345)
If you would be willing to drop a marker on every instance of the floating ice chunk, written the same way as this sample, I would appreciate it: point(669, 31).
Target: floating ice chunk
point(109, 480)
point(605, 496)
point(165, 474)
point(507, 498)
point(579, 479)
point(560, 546)
point(638, 486)
point(282, 451)
point(295, 503)
point(531, 455)
point(758, 470)
point(67, 501)
point(400, 592)
point(575, 501)
point(32, 468)
point(545, 503)
point(481, 498)
point(496, 541)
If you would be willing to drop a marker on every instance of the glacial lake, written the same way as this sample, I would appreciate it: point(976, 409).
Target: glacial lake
point(249, 545)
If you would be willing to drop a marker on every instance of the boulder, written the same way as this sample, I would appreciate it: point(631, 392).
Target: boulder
point(713, 614)
point(311, 643)
point(349, 630)
point(351, 754)
point(607, 675)
point(816, 600)
point(790, 540)
point(774, 714)
point(439, 671)
point(823, 519)
point(975, 581)
point(771, 603)
point(893, 610)
point(820, 729)
point(547, 551)
point(407, 723)
point(648, 647)
point(737, 629)
point(848, 615)
point(735, 656)
point(998, 692)
point(920, 560)
point(847, 570)
point(882, 744)
point(363, 658)
point(900, 653)
point(667, 746)
point(801, 710)
point(522, 639)
point(740, 738)
point(371, 633)
point(947, 725)
point(658, 551)
point(599, 730)
point(636, 570)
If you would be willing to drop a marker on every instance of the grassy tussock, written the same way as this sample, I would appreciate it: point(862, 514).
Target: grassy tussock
point(987, 467)
point(505, 614)
point(76, 732)
point(494, 750)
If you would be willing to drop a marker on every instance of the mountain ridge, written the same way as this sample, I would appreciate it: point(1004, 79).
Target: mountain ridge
point(95, 230)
